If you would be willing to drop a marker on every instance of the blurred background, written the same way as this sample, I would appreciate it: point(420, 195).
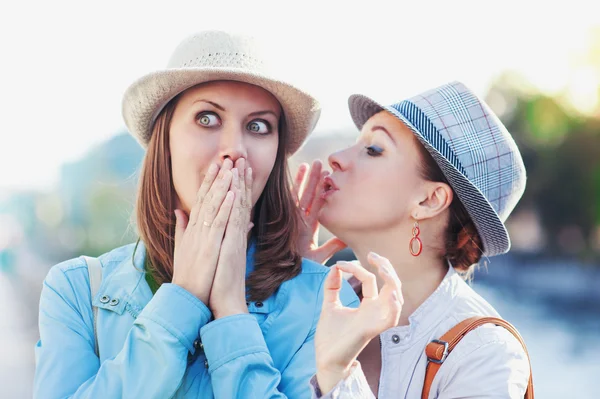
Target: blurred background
point(68, 168)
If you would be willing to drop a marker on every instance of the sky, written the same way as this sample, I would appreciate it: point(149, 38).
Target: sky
point(66, 64)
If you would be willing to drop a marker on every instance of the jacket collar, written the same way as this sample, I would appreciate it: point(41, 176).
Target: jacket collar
point(124, 286)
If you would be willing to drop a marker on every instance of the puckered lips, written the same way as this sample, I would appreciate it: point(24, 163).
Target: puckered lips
point(329, 187)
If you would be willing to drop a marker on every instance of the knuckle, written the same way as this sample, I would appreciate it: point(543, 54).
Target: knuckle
point(219, 223)
point(210, 209)
point(237, 222)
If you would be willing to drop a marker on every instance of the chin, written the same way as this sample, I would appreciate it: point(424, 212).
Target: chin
point(335, 222)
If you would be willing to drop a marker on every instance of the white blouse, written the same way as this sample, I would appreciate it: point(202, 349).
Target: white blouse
point(489, 362)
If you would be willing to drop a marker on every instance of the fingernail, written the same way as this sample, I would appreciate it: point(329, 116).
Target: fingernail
point(212, 168)
point(376, 256)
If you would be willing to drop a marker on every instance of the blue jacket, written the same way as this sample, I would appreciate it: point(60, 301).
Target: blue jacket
point(146, 342)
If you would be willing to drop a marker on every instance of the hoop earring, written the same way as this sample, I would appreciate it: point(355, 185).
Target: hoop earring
point(415, 240)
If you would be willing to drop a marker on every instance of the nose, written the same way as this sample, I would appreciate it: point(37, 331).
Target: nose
point(338, 160)
point(232, 145)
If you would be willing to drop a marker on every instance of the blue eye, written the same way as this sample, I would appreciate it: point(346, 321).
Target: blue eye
point(208, 119)
point(374, 151)
point(259, 126)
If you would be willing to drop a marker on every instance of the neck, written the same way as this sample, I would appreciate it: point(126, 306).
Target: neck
point(420, 275)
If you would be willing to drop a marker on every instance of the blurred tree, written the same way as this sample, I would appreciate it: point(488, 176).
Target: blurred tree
point(561, 151)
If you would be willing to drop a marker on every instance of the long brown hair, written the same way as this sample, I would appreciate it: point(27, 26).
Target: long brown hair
point(276, 217)
point(463, 246)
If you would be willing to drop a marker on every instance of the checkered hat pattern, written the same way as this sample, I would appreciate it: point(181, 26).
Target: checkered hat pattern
point(472, 147)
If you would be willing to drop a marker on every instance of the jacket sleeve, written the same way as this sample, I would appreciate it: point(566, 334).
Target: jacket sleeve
point(150, 365)
point(241, 366)
point(355, 386)
point(495, 369)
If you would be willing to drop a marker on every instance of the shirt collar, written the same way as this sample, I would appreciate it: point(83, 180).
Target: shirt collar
point(428, 315)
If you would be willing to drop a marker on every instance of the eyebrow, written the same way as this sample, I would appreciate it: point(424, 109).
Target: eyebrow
point(378, 127)
point(257, 113)
point(217, 106)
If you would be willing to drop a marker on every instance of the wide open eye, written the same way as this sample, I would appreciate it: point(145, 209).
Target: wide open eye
point(259, 126)
point(208, 119)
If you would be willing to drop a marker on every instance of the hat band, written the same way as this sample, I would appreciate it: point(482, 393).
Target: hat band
point(428, 130)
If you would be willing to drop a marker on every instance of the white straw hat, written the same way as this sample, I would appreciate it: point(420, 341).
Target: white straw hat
point(209, 56)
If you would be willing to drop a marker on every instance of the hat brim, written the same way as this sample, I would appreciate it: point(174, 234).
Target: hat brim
point(490, 227)
point(146, 97)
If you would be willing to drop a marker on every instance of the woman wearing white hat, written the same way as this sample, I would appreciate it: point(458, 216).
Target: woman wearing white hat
point(214, 300)
point(427, 186)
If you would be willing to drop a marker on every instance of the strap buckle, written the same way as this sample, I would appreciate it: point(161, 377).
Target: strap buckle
point(444, 354)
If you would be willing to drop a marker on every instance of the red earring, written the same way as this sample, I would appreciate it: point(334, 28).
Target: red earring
point(415, 241)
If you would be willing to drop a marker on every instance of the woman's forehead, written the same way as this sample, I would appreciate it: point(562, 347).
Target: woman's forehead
point(389, 124)
point(232, 91)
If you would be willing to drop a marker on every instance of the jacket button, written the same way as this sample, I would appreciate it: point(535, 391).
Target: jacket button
point(259, 304)
point(114, 302)
point(198, 345)
point(395, 338)
point(104, 299)
point(205, 363)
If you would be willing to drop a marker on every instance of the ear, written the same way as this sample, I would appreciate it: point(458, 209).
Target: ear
point(436, 199)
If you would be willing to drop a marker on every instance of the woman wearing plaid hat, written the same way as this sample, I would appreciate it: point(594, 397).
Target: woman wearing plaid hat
point(420, 198)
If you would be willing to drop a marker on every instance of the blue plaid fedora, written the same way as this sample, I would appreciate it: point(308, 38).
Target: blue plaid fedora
point(476, 153)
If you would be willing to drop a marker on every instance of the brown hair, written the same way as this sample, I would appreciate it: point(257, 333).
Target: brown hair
point(276, 216)
point(463, 246)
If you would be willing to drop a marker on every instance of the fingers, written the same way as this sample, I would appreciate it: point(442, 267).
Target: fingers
point(217, 230)
point(327, 250)
point(245, 186)
point(390, 296)
point(302, 169)
point(369, 283)
point(209, 178)
point(249, 177)
point(241, 165)
point(181, 222)
point(310, 190)
point(237, 219)
point(388, 274)
point(214, 199)
point(216, 233)
point(332, 286)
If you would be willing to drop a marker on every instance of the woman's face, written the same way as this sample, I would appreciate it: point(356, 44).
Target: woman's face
point(376, 183)
point(219, 120)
